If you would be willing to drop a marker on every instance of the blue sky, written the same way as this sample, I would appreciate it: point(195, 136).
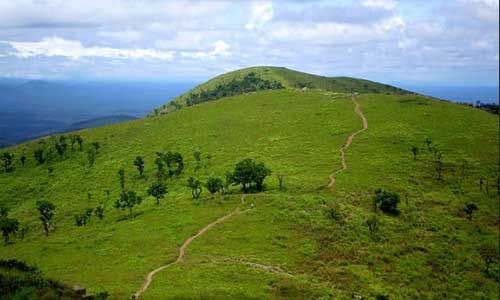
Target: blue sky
point(422, 42)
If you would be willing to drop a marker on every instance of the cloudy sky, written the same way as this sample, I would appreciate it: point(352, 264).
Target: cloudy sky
point(412, 41)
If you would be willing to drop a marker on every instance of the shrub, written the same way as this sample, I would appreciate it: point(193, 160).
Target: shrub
point(387, 201)
point(250, 175)
point(214, 184)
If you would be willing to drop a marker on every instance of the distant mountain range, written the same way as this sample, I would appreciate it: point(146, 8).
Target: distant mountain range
point(33, 108)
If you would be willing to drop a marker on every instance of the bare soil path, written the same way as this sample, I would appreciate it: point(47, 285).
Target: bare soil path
point(349, 140)
point(182, 250)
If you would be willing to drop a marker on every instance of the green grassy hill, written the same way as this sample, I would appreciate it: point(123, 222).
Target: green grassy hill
point(305, 241)
point(288, 79)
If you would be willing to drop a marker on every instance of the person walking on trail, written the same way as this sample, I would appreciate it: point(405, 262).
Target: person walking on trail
point(251, 205)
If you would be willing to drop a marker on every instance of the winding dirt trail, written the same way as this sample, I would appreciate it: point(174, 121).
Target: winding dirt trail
point(182, 250)
point(359, 112)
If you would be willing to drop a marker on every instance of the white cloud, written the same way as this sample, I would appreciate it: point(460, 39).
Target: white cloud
point(220, 49)
point(384, 4)
point(56, 46)
point(333, 33)
point(127, 36)
point(261, 13)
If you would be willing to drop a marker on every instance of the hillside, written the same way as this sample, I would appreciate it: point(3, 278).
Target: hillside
point(97, 122)
point(305, 240)
point(235, 82)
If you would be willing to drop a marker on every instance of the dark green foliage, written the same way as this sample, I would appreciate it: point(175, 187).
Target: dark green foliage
point(61, 145)
point(46, 210)
point(84, 218)
point(387, 201)
point(250, 175)
point(127, 201)
point(173, 161)
point(469, 209)
point(79, 140)
point(214, 184)
point(23, 159)
point(195, 186)
point(160, 166)
point(139, 164)
point(8, 226)
point(158, 190)
point(7, 159)
point(50, 170)
point(19, 281)
point(72, 141)
point(99, 211)
point(39, 156)
point(249, 83)
point(4, 211)
point(382, 296)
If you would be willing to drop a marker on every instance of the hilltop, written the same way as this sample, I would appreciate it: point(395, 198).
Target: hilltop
point(302, 237)
point(267, 78)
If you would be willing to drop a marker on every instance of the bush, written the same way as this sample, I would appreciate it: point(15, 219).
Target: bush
point(250, 174)
point(387, 201)
point(214, 184)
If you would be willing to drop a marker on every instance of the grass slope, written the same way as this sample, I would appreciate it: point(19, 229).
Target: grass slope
point(430, 251)
point(290, 79)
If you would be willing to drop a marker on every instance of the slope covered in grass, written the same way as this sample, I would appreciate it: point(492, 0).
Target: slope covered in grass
point(233, 83)
point(302, 242)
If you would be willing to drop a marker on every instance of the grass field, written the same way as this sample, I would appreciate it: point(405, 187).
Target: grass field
point(288, 246)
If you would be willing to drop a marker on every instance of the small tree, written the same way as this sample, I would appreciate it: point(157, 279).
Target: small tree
point(39, 156)
point(195, 186)
point(414, 150)
point(387, 201)
point(8, 226)
point(127, 201)
point(7, 159)
point(160, 166)
point(139, 163)
point(79, 140)
point(121, 178)
point(248, 172)
point(158, 190)
point(469, 209)
point(214, 185)
point(46, 210)
point(84, 218)
point(99, 211)
point(61, 145)
point(489, 253)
